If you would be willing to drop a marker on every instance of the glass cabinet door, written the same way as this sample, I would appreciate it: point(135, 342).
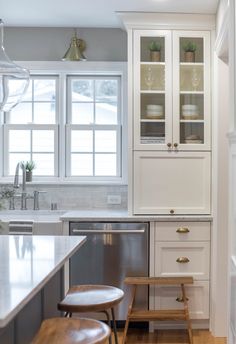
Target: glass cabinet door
point(191, 82)
point(152, 89)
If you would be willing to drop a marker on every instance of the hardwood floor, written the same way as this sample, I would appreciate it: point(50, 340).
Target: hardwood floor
point(170, 337)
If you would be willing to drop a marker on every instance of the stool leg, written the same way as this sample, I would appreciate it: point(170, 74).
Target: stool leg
point(68, 314)
point(125, 330)
point(109, 324)
point(114, 325)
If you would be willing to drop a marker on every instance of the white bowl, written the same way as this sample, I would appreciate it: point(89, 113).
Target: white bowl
point(154, 107)
point(190, 107)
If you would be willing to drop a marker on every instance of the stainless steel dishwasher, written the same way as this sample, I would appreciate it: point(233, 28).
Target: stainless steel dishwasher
point(113, 251)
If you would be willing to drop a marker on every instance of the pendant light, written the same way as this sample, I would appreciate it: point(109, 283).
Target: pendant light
point(14, 80)
point(75, 51)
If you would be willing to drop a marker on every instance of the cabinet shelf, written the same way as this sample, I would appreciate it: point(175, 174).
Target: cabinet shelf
point(192, 92)
point(152, 120)
point(189, 64)
point(152, 92)
point(153, 63)
point(192, 121)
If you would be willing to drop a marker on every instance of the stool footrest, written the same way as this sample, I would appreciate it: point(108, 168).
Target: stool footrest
point(171, 314)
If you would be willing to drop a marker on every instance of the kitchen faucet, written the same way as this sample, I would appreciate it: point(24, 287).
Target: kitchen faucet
point(23, 194)
point(16, 184)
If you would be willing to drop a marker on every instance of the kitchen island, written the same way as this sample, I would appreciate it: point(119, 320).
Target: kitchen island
point(31, 280)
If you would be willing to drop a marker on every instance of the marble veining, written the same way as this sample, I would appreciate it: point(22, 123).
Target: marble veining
point(26, 264)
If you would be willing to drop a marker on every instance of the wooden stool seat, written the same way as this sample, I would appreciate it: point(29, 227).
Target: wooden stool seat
point(90, 298)
point(72, 331)
point(161, 315)
point(93, 298)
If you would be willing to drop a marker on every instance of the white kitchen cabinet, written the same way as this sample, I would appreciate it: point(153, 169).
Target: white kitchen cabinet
point(171, 182)
point(174, 259)
point(171, 109)
point(188, 242)
point(198, 299)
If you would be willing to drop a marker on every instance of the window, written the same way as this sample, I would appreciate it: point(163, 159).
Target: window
point(93, 126)
point(70, 123)
point(31, 132)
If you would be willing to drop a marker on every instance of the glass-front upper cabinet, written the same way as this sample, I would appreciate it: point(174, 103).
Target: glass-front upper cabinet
point(152, 89)
point(191, 90)
point(171, 78)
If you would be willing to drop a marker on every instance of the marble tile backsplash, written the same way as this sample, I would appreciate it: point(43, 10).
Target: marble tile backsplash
point(70, 197)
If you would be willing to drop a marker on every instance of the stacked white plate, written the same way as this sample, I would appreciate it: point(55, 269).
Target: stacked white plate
point(190, 111)
point(193, 139)
point(154, 111)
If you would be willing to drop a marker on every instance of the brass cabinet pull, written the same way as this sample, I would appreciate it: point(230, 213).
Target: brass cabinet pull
point(182, 230)
point(172, 211)
point(182, 260)
point(181, 299)
point(175, 145)
point(169, 145)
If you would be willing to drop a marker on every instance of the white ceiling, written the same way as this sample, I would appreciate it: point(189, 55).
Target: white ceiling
point(90, 13)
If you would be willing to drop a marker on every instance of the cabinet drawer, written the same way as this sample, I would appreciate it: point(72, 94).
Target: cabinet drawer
point(182, 259)
point(182, 231)
point(198, 295)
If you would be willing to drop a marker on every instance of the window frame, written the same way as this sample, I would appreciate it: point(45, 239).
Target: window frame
point(62, 70)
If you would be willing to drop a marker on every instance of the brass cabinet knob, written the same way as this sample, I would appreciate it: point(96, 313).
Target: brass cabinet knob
point(182, 230)
point(169, 145)
point(181, 299)
point(172, 211)
point(182, 260)
point(175, 145)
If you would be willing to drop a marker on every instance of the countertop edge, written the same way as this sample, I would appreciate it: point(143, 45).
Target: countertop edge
point(4, 322)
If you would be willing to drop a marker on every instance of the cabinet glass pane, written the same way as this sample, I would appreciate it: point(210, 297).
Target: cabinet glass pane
point(191, 49)
point(152, 49)
point(153, 132)
point(152, 90)
point(152, 106)
point(192, 133)
point(191, 98)
point(191, 78)
point(152, 118)
point(152, 77)
point(191, 106)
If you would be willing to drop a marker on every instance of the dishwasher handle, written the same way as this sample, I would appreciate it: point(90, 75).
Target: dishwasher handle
point(114, 231)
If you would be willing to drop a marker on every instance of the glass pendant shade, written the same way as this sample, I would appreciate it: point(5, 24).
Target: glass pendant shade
point(14, 80)
point(74, 52)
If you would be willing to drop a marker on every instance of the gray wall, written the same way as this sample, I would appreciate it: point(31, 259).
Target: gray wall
point(50, 44)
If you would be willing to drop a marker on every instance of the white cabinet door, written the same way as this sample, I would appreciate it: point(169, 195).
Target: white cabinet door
point(191, 90)
point(197, 294)
point(152, 80)
point(174, 259)
point(172, 183)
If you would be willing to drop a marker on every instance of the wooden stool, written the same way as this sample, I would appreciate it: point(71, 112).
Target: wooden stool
point(92, 298)
point(72, 331)
point(152, 315)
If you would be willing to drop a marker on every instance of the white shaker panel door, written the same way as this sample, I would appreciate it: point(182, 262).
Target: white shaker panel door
point(172, 182)
point(197, 294)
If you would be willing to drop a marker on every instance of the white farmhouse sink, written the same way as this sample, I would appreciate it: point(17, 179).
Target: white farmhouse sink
point(45, 222)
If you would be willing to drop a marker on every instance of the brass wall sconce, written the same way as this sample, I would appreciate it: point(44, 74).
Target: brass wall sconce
point(76, 49)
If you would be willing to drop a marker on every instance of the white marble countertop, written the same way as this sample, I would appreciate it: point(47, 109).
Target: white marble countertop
point(26, 264)
point(122, 215)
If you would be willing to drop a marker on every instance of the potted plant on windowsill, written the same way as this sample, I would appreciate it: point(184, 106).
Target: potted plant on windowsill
point(189, 51)
point(155, 51)
point(29, 167)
